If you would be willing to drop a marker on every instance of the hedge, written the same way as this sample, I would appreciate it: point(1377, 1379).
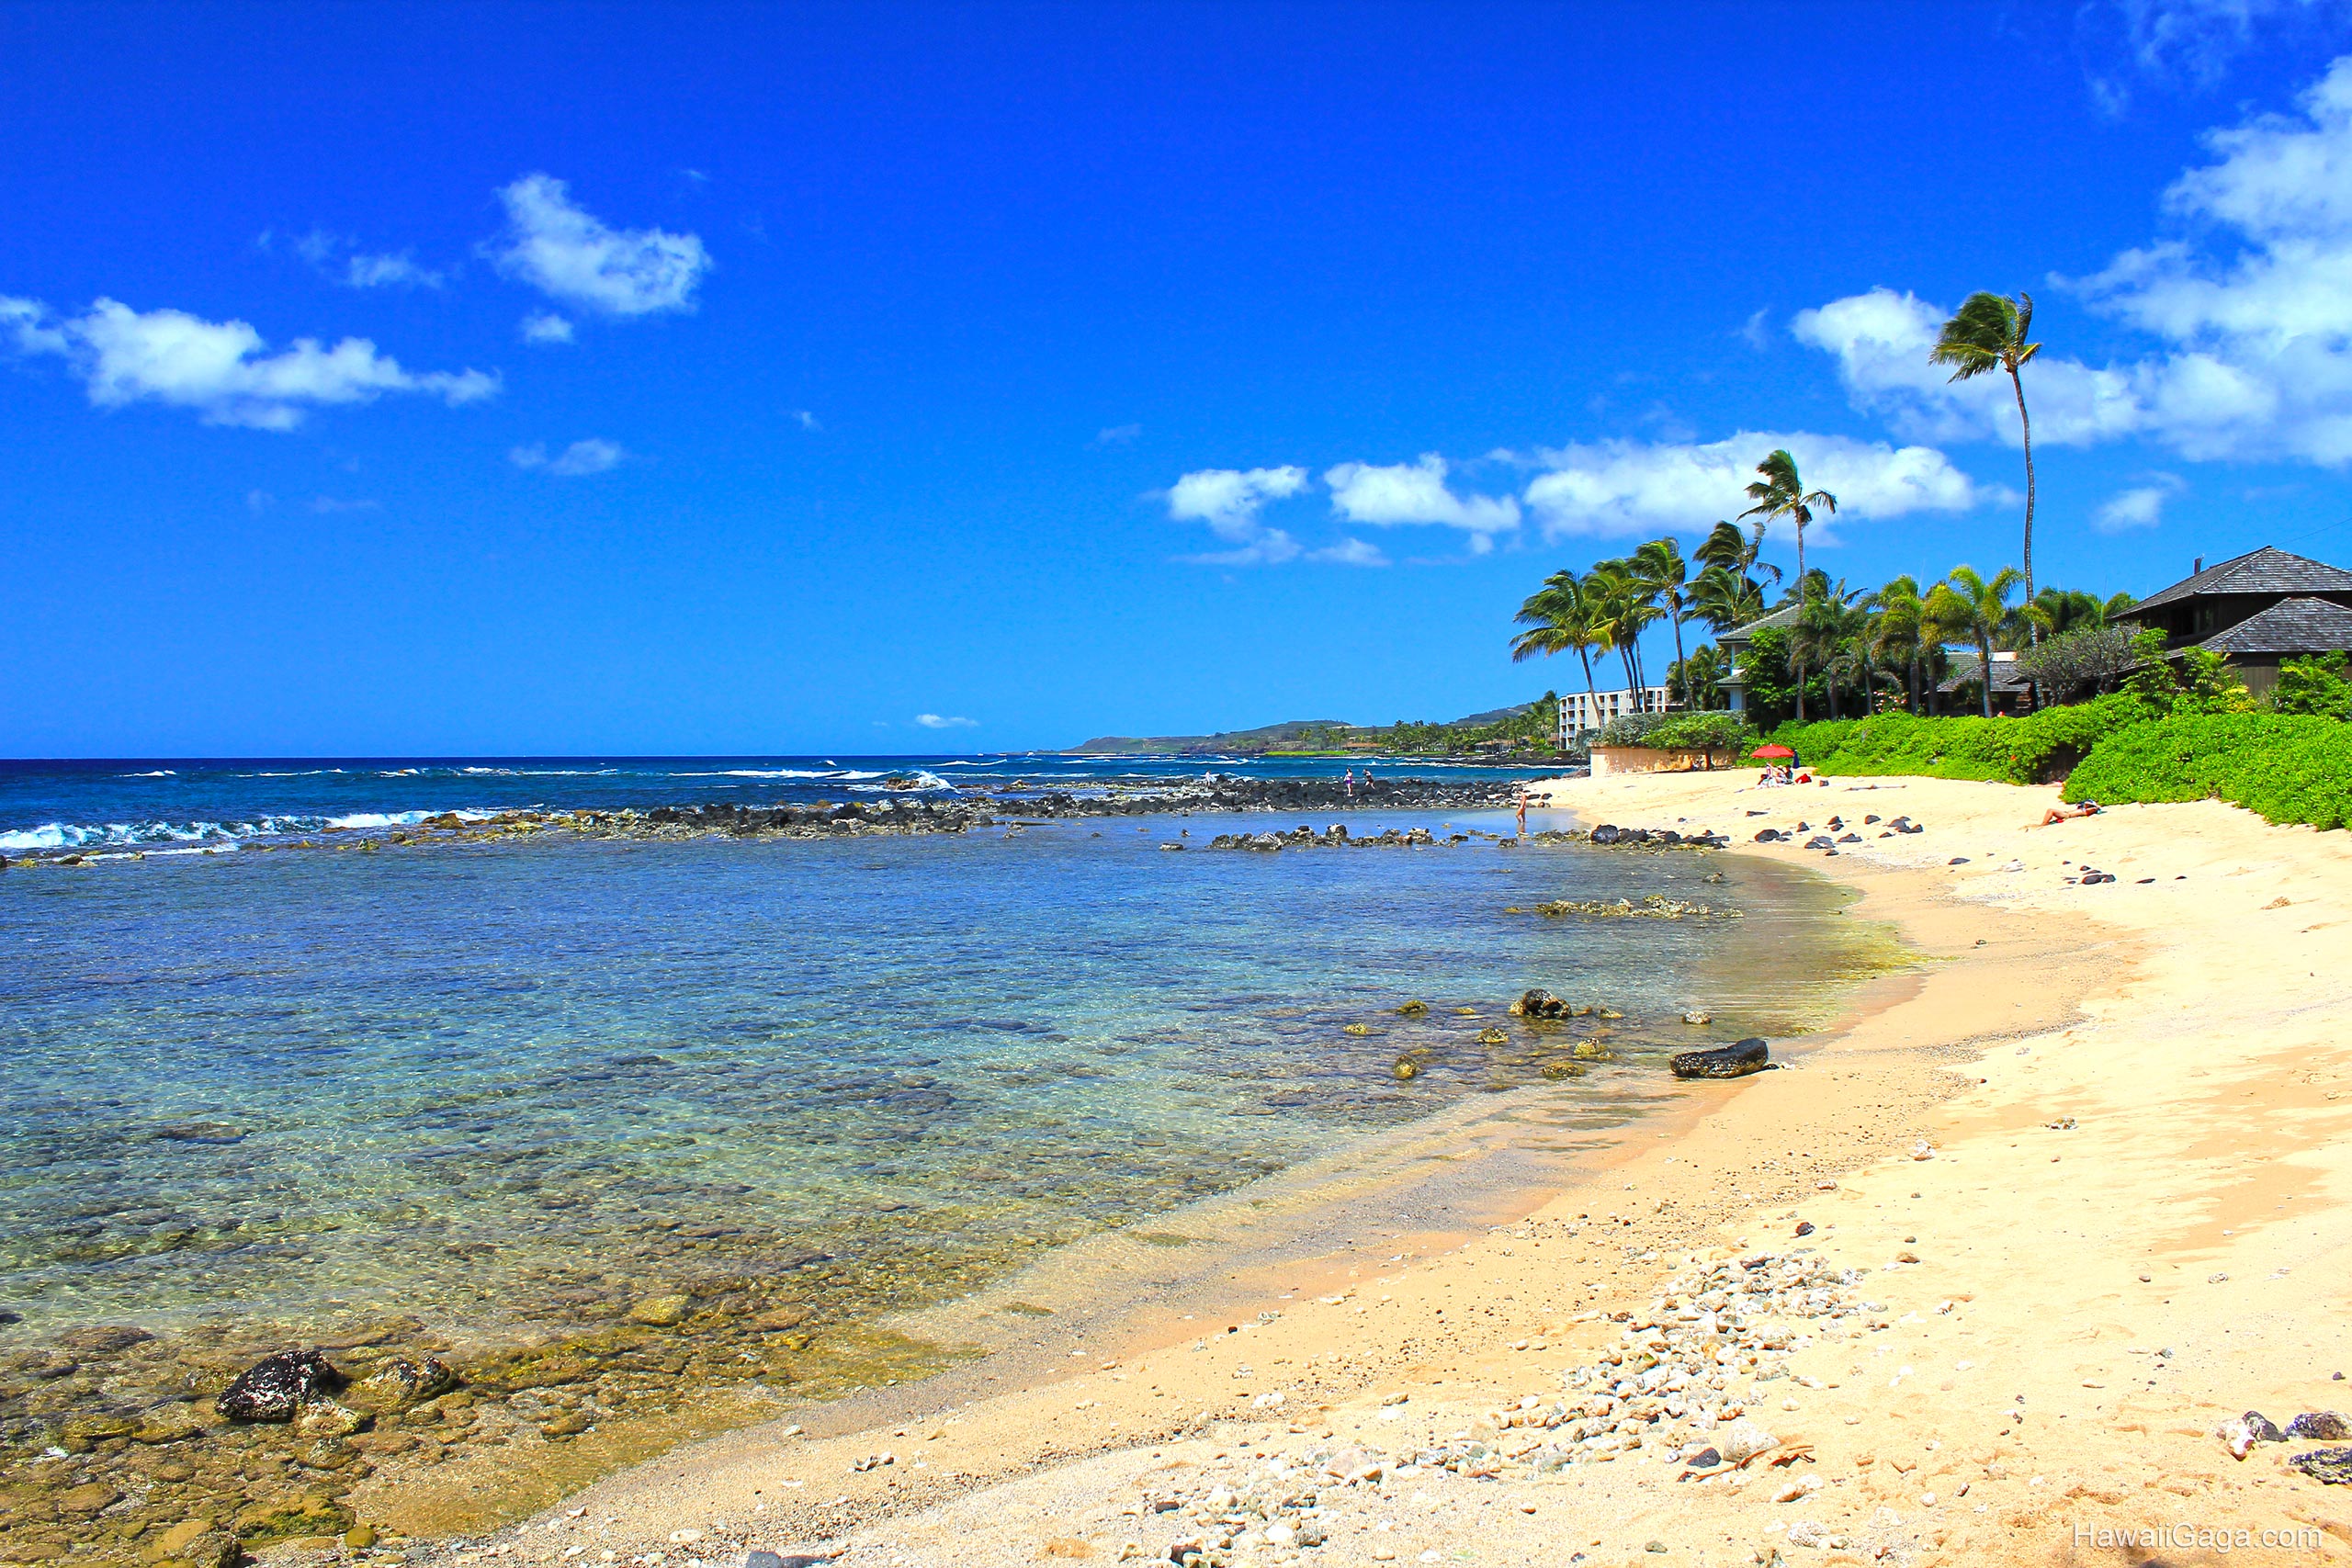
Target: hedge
point(2287, 768)
point(2036, 748)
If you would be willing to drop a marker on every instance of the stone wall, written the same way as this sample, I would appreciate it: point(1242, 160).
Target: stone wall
point(1607, 760)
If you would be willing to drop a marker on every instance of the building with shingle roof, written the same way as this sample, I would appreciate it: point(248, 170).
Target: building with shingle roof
point(1734, 644)
point(2258, 608)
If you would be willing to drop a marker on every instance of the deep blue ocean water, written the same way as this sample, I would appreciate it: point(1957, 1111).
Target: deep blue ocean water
point(163, 803)
point(453, 1079)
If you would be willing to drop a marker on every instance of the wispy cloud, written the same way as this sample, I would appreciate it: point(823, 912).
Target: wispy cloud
point(328, 506)
point(804, 420)
point(2142, 506)
point(572, 255)
point(593, 456)
point(1229, 502)
point(1116, 436)
point(545, 327)
point(945, 721)
point(220, 369)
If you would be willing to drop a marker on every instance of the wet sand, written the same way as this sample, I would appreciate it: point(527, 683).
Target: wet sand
point(2128, 1229)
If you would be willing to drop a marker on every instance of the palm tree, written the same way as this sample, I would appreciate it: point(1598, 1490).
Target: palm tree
point(1723, 599)
point(1902, 632)
point(1968, 605)
point(1988, 333)
point(1622, 607)
point(1697, 677)
point(1659, 567)
point(1559, 618)
point(1781, 492)
point(1826, 630)
point(1735, 552)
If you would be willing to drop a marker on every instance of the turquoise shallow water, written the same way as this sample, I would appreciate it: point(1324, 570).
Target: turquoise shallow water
point(483, 1084)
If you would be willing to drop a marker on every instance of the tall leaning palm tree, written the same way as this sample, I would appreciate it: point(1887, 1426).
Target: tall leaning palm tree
point(1558, 617)
point(1659, 567)
point(1779, 492)
point(1969, 605)
point(1988, 333)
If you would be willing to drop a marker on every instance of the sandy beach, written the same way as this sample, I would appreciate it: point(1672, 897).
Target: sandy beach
point(1978, 1276)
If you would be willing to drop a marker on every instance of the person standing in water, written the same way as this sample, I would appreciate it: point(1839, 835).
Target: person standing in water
point(1522, 812)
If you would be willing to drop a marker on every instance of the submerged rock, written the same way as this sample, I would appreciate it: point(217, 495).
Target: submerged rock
point(1538, 1003)
point(1750, 1055)
point(274, 1388)
point(403, 1384)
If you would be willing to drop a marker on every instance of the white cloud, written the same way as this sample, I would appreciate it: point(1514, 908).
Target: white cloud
point(1613, 488)
point(2142, 506)
point(942, 721)
point(592, 455)
point(2254, 314)
point(806, 420)
point(1228, 500)
point(1350, 552)
point(572, 255)
point(390, 272)
point(1758, 332)
point(1398, 494)
point(1118, 435)
point(218, 368)
point(359, 270)
point(546, 326)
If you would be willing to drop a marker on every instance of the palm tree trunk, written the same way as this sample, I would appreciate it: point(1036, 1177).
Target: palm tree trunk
point(1797, 653)
point(1985, 672)
point(2025, 427)
point(1679, 658)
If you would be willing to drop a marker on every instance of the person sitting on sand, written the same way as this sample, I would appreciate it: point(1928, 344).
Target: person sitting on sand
point(2057, 813)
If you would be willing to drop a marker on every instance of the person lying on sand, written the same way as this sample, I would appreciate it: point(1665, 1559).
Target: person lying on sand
point(2056, 815)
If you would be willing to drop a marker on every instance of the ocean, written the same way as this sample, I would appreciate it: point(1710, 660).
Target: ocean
point(498, 1095)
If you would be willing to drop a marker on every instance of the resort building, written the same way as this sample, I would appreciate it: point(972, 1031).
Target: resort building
point(2258, 608)
point(1580, 711)
point(1734, 644)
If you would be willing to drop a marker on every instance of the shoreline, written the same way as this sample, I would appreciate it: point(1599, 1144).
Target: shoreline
point(2055, 1357)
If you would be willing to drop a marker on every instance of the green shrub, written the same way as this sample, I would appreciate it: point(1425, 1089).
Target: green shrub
point(1701, 731)
point(1632, 728)
point(2288, 768)
point(2033, 750)
point(2314, 685)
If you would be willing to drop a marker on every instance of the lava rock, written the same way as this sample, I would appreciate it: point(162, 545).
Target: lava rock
point(1607, 834)
point(2332, 1467)
point(2326, 1426)
point(1750, 1055)
point(1539, 1003)
point(275, 1387)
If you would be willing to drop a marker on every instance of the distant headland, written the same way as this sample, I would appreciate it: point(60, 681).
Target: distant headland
point(1529, 728)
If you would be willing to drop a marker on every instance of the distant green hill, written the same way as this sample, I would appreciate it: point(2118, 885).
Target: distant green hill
point(1522, 728)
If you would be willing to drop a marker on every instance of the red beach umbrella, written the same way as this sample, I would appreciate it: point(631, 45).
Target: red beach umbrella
point(1771, 752)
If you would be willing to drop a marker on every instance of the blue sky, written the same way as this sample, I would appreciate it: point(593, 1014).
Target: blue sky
point(695, 378)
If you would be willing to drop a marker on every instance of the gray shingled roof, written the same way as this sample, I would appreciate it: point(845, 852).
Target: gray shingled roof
point(2265, 570)
point(1786, 616)
point(2298, 625)
point(1960, 669)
